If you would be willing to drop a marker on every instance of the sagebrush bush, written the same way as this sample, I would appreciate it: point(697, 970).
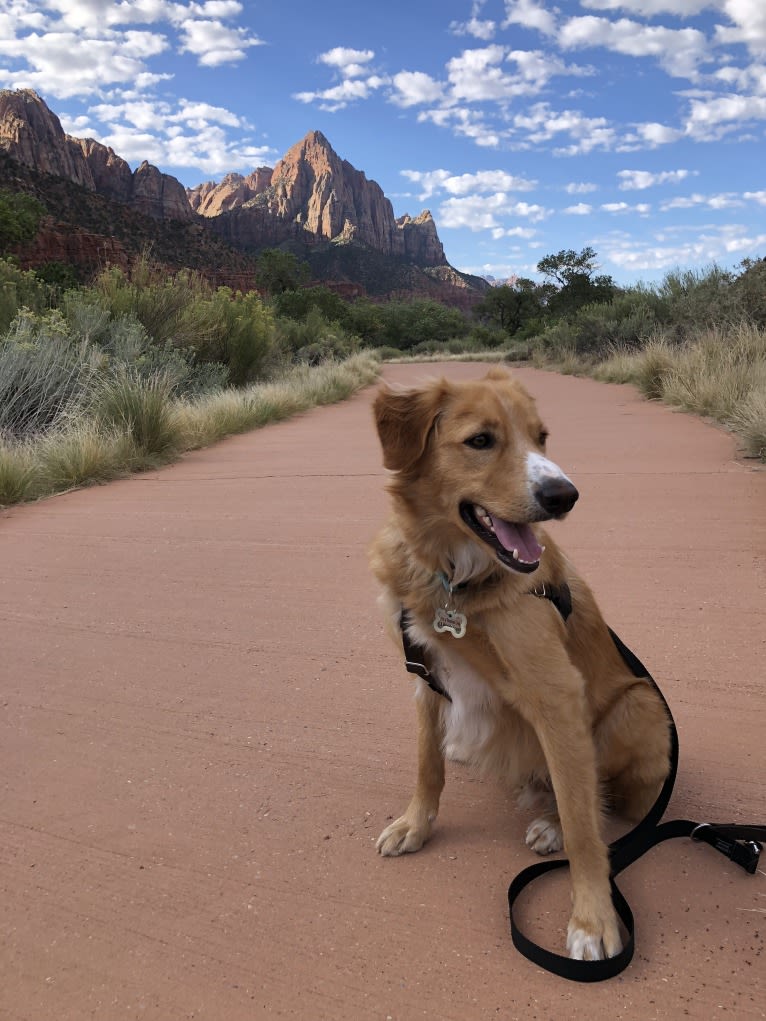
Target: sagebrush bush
point(44, 374)
point(20, 289)
point(314, 339)
point(185, 312)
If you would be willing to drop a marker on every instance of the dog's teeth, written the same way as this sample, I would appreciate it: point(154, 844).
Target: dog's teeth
point(515, 554)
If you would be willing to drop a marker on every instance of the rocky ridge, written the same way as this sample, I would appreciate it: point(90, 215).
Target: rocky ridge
point(312, 202)
point(31, 134)
point(312, 195)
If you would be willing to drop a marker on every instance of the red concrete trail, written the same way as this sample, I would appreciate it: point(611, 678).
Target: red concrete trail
point(204, 730)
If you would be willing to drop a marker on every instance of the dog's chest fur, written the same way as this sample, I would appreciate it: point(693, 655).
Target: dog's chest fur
point(478, 726)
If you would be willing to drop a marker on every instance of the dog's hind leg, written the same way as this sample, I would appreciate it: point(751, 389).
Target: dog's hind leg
point(410, 831)
point(544, 834)
point(633, 747)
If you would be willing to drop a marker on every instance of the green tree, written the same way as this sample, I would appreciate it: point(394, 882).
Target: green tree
point(510, 306)
point(573, 275)
point(20, 217)
point(280, 271)
point(296, 304)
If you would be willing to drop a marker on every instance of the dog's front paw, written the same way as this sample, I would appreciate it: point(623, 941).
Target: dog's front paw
point(403, 836)
point(544, 835)
point(594, 940)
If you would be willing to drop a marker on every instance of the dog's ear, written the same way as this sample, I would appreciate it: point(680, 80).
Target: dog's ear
point(404, 419)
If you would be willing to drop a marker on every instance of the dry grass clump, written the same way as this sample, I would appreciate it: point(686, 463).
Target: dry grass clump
point(722, 373)
point(133, 423)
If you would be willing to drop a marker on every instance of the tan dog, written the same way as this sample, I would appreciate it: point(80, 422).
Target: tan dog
point(543, 702)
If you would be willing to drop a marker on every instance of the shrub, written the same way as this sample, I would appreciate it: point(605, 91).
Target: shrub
point(20, 289)
point(407, 324)
point(240, 333)
point(314, 339)
point(694, 300)
point(126, 402)
point(44, 374)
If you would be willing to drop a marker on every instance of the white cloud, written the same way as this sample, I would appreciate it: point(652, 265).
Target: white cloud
point(465, 122)
point(481, 74)
point(412, 88)
point(580, 188)
point(640, 180)
point(655, 134)
point(724, 200)
point(52, 71)
point(706, 247)
point(67, 48)
point(650, 8)
point(581, 209)
point(348, 62)
point(481, 212)
point(339, 96)
point(749, 18)
point(641, 208)
point(482, 181)
point(513, 232)
point(541, 124)
point(529, 14)
point(479, 29)
point(711, 119)
point(678, 51)
point(214, 43)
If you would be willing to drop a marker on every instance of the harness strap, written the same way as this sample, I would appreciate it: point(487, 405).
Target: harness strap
point(415, 660)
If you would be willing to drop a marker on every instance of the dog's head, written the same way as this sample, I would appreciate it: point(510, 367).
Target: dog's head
point(471, 455)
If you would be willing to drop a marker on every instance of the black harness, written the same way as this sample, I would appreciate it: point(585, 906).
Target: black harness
point(740, 844)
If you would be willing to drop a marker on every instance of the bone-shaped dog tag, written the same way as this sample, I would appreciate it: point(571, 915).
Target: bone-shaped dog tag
point(450, 620)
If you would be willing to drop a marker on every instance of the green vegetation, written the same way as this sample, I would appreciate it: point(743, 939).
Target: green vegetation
point(127, 372)
point(20, 217)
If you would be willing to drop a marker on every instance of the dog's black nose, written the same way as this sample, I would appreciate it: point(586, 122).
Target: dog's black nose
point(556, 496)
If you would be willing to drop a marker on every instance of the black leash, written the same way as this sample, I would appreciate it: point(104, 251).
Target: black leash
point(740, 844)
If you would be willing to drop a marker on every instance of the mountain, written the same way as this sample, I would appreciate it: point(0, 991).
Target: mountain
point(312, 203)
point(32, 135)
point(310, 196)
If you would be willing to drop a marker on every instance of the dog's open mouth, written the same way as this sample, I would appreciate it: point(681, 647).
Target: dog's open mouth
point(514, 544)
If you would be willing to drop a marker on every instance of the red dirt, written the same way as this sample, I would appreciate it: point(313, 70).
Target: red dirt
point(204, 730)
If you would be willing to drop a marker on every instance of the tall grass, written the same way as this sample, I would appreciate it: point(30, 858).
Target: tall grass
point(720, 374)
point(133, 423)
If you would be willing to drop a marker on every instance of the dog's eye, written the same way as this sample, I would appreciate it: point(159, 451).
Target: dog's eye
point(481, 441)
point(542, 437)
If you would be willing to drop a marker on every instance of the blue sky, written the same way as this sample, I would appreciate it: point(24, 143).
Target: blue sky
point(632, 126)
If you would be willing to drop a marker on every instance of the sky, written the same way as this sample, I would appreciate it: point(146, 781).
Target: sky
point(635, 127)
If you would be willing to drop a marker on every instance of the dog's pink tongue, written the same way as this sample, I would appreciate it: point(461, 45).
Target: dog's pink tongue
point(518, 537)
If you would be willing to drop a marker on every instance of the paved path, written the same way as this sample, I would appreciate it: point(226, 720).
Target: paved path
point(203, 730)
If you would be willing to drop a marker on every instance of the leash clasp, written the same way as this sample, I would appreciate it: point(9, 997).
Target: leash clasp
point(745, 853)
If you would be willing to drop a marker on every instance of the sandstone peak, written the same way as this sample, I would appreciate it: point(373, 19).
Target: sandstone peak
point(32, 134)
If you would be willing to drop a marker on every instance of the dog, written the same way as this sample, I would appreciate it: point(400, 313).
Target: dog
point(531, 686)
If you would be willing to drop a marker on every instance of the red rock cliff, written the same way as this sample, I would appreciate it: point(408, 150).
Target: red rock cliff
point(32, 134)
